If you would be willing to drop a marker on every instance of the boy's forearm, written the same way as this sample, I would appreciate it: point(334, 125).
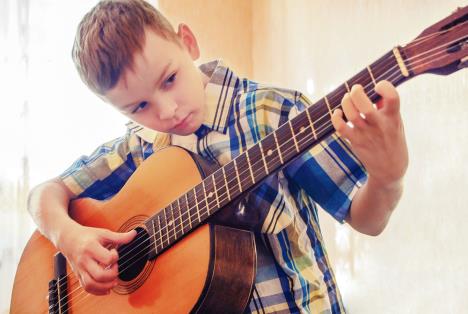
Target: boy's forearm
point(373, 205)
point(48, 206)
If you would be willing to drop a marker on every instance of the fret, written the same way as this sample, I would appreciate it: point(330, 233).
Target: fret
point(188, 210)
point(258, 162)
point(293, 135)
point(278, 147)
point(364, 79)
point(215, 190)
point(244, 169)
point(347, 86)
point(154, 236)
point(174, 218)
point(329, 107)
point(311, 123)
point(193, 207)
point(160, 232)
point(225, 181)
point(335, 97)
point(269, 152)
point(179, 212)
point(220, 187)
point(380, 68)
point(237, 175)
point(171, 223)
point(263, 157)
point(203, 201)
point(165, 225)
point(286, 136)
point(233, 183)
point(250, 166)
point(299, 125)
point(206, 197)
point(371, 75)
point(196, 203)
point(385, 68)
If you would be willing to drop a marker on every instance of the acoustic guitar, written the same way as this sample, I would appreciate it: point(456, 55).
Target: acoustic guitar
point(183, 259)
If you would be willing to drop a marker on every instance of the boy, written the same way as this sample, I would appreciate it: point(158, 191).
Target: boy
point(130, 56)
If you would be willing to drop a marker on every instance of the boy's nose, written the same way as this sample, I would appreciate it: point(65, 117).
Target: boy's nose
point(167, 110)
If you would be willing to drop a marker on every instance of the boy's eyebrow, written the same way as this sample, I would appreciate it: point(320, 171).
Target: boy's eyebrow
point(157, 83)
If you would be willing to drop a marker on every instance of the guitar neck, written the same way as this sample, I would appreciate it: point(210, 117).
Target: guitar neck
point(269, 155)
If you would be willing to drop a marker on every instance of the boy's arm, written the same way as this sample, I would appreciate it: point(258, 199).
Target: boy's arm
point(373, 205)
point(378, 141)
point(84, 247)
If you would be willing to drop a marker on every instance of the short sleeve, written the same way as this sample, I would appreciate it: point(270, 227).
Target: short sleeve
point(329, 173)
point(103, 173)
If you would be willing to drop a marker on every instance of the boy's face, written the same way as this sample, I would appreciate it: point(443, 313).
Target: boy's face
point(165, 90)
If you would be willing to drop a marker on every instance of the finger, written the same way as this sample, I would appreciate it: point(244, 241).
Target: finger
point(94, 287)
point(351, 112)
point(118, 237)
point(362, 102)
point(104, 256)
point(339, 123)
point(390, 102)
point(102, 273)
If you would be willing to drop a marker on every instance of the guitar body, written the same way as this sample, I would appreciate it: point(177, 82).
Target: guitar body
point(210, 270)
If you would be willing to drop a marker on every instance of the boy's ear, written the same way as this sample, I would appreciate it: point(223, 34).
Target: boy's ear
point(188, 40)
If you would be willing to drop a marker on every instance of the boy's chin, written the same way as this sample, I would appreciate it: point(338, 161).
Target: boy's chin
point(186, 131)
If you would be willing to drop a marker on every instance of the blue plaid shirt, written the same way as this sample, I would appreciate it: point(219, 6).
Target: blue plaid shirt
point(293, 271)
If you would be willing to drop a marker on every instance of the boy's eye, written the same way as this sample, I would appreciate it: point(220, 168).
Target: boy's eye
point(140, 106)
point(170, 79)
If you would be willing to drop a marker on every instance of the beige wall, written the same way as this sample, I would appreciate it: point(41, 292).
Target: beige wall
point(418, 264)
point(223, 28)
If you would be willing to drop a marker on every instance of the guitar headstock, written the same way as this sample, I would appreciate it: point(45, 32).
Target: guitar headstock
point(441, 48)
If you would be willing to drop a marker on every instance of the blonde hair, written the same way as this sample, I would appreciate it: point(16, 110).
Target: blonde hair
point(109, 35)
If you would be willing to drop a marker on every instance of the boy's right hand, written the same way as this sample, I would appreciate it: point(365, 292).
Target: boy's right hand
point(92, 255)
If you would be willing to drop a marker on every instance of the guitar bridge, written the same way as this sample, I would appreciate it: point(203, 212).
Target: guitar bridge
point(58, 292)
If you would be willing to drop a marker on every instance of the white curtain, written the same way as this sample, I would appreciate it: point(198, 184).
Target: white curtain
point(48, 118)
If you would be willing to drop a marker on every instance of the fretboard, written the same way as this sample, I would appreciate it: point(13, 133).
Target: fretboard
point(269, 155)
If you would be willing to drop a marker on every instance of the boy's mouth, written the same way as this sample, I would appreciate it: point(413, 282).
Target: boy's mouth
point(183, 122)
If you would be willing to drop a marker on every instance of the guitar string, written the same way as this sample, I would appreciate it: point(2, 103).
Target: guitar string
point(362, 76)
point(418, 41)
point(198, 203)
point(174, 227)
point(201, 202)
point(318, 119)
point(308, 138)
point(188, 209)
point(75, 298)
point(316, 130)
point(414, 43)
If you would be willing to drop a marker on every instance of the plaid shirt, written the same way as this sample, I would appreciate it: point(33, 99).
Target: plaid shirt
point(293, 271)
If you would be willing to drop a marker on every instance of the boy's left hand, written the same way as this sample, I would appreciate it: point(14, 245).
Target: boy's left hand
point(378, 140)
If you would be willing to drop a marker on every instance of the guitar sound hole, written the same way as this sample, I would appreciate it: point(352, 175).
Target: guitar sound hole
point(133, 256)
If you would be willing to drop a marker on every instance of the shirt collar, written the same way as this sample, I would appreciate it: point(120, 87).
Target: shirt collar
point(220, 92)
